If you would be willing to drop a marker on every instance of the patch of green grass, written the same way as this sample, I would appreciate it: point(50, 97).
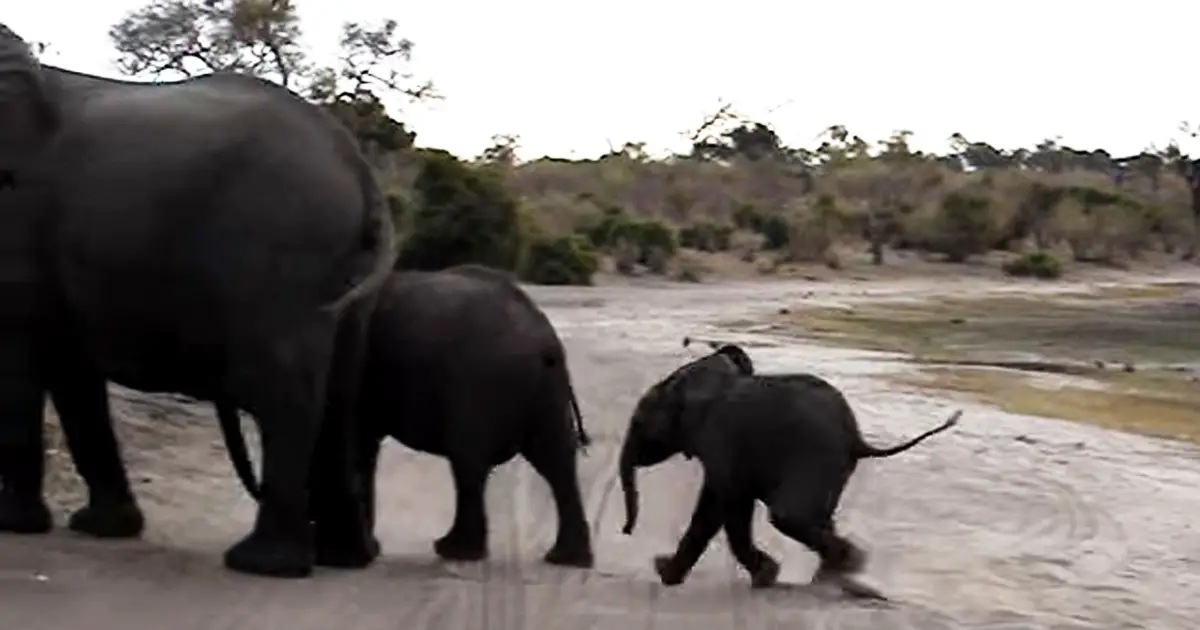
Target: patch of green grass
point(1148, 329)
point(1158, 404)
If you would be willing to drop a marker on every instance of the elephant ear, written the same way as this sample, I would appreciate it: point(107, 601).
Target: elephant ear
point(694, 393)
point(28, 117)
point(740, 359)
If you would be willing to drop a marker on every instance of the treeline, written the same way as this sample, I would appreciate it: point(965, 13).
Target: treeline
point(739, 191)
point(742, 191)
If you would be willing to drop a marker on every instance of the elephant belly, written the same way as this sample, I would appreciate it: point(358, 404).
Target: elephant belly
point(419, 434)
point(149, 334)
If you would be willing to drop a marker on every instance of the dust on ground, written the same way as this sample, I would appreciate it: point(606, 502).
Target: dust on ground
point(1009, 521)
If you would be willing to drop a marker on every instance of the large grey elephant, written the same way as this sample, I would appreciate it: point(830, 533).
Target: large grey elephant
point(789, 440)
point(463, 364)
point(217, 237)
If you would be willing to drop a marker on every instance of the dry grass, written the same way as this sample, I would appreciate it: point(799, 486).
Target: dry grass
point(1155, 404)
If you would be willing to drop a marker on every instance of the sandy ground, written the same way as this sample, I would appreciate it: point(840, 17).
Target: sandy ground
point(1007, 522)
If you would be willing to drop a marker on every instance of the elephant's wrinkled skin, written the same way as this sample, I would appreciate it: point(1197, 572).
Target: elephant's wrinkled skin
point(217, 237)
point(788, 440)
point(464, 365)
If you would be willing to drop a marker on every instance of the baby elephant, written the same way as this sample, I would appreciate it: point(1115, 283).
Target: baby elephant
point(461, 363)
point(788, 440)
point(464, 365)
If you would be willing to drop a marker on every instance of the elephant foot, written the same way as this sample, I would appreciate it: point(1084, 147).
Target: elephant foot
point(24, 517)
point(108, 520)
point(767, 574)
point(668, 573)
point(271, 555)
point(577, 556)
point(356, 552)
point(454, 548)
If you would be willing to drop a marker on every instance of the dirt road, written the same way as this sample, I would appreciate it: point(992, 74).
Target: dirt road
point(1007, 522)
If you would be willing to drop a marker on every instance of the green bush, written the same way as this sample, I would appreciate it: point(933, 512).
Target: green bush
point(774, 229)
point(652, 238)
point(1039, 264)
point(962, 226)
point(603, 233)
point(465, 215)
point(560, 260)
point(706, 236)
point(776, 232)
point(631, 241)
point(748, 217)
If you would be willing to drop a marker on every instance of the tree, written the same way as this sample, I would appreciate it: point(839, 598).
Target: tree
point(185, 38)
point(191, 37)
point(372, 60)
point(502, 151)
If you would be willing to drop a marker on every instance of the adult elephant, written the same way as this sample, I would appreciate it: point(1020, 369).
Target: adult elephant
point(464, 365)
point(217, 237)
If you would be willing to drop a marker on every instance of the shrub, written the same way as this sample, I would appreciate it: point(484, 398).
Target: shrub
point(776, 231)
point(654, 240)
point(603, 232)
point(1039, 264)
point(814, 229)
point(748, 217)
point(560, 260)
point(962, 226)
point(690, 268)
point(631, 241)
point(465, 215)
point(706, 236)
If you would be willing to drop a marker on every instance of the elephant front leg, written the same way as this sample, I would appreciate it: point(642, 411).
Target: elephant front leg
point(22, 458)
point(467, 539)
point(22, 450)
point(707, 518)
point(81, 399)
point(739, 517)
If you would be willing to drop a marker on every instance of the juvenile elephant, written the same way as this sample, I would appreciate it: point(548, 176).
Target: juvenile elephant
point(217, 237)
point(788, 440)
point(464, 365)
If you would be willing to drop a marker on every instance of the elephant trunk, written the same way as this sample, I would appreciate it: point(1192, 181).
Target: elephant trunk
point(628, 471)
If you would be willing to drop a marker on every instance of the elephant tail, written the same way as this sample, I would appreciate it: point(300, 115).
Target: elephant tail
point(585, 440)
point(378, 237)
point(864, 450)
point(557, 362)
point(235, 443)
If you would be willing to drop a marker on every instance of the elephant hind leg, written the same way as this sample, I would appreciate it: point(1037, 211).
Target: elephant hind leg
point(467, 539)
point(802, 509)
point(553, 455)
point(342, 478)
point(283, 387)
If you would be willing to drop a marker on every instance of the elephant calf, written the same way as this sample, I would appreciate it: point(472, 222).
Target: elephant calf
point(464, 365)
point(788, 440)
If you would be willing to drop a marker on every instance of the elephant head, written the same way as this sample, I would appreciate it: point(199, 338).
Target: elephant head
point(27, 115)
point(666, 415)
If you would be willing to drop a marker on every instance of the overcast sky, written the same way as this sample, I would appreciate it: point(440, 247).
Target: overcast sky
point(569, 78)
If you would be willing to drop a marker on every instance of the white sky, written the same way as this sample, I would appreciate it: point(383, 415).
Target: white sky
point(569, 78)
